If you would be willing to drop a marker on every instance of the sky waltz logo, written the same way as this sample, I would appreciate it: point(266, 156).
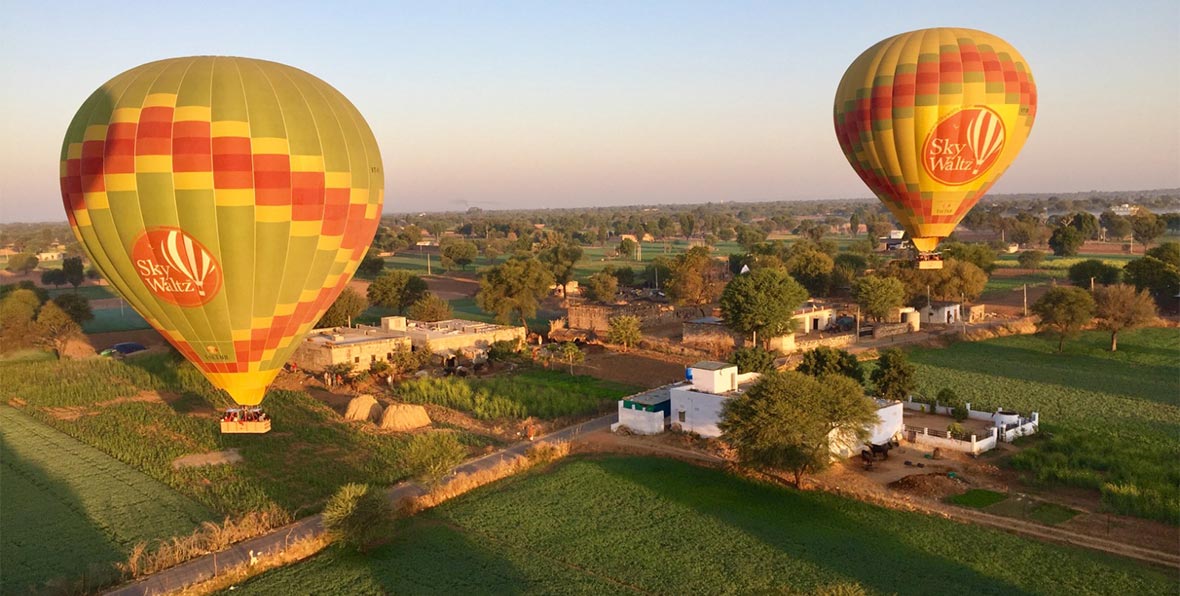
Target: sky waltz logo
point(176, 267)
point(963, 146)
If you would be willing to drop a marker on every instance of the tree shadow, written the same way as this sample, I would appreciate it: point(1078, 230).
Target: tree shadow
point(815, 529)
point(48, 542)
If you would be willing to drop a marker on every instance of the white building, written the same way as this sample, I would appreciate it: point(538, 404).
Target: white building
point(890, 416)
point(697, 403)
point(941, 313)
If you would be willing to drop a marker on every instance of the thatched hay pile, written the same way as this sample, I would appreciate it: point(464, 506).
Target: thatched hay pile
point(363, 407)
point(404, 417)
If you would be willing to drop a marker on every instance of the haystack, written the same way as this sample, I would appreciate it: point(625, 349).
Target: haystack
point(363, 407)
point(404, 417)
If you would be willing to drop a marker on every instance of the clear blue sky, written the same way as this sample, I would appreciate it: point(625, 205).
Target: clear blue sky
point(528, 104)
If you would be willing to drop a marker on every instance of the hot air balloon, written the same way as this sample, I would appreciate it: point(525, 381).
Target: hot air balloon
point(930, 119)
point(229, 201)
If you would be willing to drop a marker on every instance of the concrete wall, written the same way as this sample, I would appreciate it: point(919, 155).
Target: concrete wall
point(639, 421)
point(317, 355)
point(832, 341)
point(459, 342)
point(974, 446)
point(708, 335)
point(889, 424)
point(715, 381)
point(697, 412)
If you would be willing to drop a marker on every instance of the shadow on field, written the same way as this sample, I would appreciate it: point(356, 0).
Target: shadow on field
point(813, 529)
point(1117, 375)
point(48, 542)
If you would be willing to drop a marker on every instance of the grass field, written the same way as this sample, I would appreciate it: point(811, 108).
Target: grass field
point(977, 498)
point(115, 319)
point(92, 400)
point(545, 394)
point(90, 292)
point(1112, 419)
point(641, 525)
point(71, 510)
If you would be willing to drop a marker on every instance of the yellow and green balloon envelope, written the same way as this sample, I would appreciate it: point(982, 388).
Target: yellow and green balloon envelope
point(930, 119)
point(228, 200)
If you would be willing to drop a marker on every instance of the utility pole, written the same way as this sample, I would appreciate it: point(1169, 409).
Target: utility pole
point(427, 263)
point(1091, 284)
point(857, 340)
point(1026, 300)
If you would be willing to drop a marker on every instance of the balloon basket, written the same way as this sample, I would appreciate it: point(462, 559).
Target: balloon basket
point(245, 421)
point(929, 260)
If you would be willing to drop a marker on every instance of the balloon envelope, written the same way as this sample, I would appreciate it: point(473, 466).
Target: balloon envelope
point(930, 119)
point(228, 200)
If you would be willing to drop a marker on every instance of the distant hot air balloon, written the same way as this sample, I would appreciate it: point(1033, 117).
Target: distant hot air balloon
point(228, 200)
point(930, 119)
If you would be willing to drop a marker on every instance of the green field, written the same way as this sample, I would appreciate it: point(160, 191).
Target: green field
point(284, 468)
point(1112, 420)
point(71, 510)
point(546, 394)
point(643, 525)
point(90, 292)
point(114, 319)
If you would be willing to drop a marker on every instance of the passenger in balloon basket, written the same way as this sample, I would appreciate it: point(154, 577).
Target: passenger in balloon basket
point(929, 260)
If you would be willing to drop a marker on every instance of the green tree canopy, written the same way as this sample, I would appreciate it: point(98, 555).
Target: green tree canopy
point(75, 305)
point(53, 277)
point(980, 255)
point(624, 331)
point(1160, 278)
point(753, 359)
point(602, 286)
point(627, 248)
point(430, 308)
point(1081, 272)
point(894, 375)
point(359, 516)
point(72, 268)
point(1030, 259)
point(811, 267)
point(762, 302)
point(561, 259)
point(396, 289)
point(787, 420)
point(371, 265)
point(55, 328)
point(878, 296)
point(1146, 226)
point(1122, 307)
point(457, 253)
point(1064, 310)
point(691, 278)
point(1065, 241)
point(22, 263)
point(514, 287)
point(348, 305)
point(825, 360)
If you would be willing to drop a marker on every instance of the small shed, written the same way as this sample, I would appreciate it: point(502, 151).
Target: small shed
point(941, 313)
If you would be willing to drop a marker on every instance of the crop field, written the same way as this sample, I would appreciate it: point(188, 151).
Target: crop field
point(1112, 419)
point(147, 411)
point(644, 525)
point(545, 394)
point(71, 510)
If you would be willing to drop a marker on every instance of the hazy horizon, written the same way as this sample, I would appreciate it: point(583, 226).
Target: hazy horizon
point(532, 105)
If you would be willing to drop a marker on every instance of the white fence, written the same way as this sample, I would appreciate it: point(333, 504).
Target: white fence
point(640, 422)
point(1013, 424)
point(940, 438)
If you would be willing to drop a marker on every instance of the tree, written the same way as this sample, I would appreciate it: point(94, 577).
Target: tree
point(1122, 307)
point(878, 296)
point(1030, 259)
point(1065, 310)
point(956, 280)
point(627, 248)
point(73, 270)
point(567, 353)
point(1116, 225)
point(854, 224)
point(54, 328)
point(515, 286)
point(358, 515)
point(1082, 272)
point(396, 289)
point(624, 331)
point(1160, 278)
point(602, 286)
point(894, 375)
point(749, 236)
point(561, 260)
point(53, 277)
point(18, 309)
point(625, 275)
point(1168, 252)
point(811, 230)
point(457, 253)
point(826, 360)
point(429, 457)
point(22, 263)
point(690, 278)
point(787, 420)
point(76, 306)
point(762, 302)
point(1083, 222)
point(754, 359)
point(430, 308)
point(371, 265)
point(348, 304)
point(811, 267)
point(1145, 227)
point(980, 255)
point(1065, 241)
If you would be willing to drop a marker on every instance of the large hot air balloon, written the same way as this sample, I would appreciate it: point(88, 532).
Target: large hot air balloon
point(228, 200)
point(930, 119)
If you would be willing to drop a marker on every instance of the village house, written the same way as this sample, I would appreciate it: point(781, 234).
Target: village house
point(363, 344)
point(710, 331)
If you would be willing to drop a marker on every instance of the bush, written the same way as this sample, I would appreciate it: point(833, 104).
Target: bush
point(753, 359)
point(504, 350)
point(358, 515)
point(949, 398)
point(430, 457)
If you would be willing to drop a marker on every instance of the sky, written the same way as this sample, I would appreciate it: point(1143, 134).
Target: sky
point(565, 104)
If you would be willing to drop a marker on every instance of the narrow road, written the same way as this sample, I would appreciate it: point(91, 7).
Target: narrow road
point(206, 567)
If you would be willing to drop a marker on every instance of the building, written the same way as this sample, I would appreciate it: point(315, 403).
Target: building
point(711, 332)
point(890, 425)
point(365, 344)
point(645, 413)
point(696, 404)
point(944, 313)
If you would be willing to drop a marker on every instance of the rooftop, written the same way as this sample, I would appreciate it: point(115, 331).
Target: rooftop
point(711, 365)
point(652, 397)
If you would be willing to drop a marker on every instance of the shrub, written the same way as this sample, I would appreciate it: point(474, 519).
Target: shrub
point(430, 457)
point(358, 515)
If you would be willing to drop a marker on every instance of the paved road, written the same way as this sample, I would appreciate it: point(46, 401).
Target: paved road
point(207, 566)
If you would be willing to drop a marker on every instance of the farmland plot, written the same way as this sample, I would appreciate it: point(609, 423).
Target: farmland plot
point(70, 510)
point(1113, 419)
point(544, 394)
point(644, 525)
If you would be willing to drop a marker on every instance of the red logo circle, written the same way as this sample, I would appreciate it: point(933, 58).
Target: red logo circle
point(964, 145)
point(176, 267)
